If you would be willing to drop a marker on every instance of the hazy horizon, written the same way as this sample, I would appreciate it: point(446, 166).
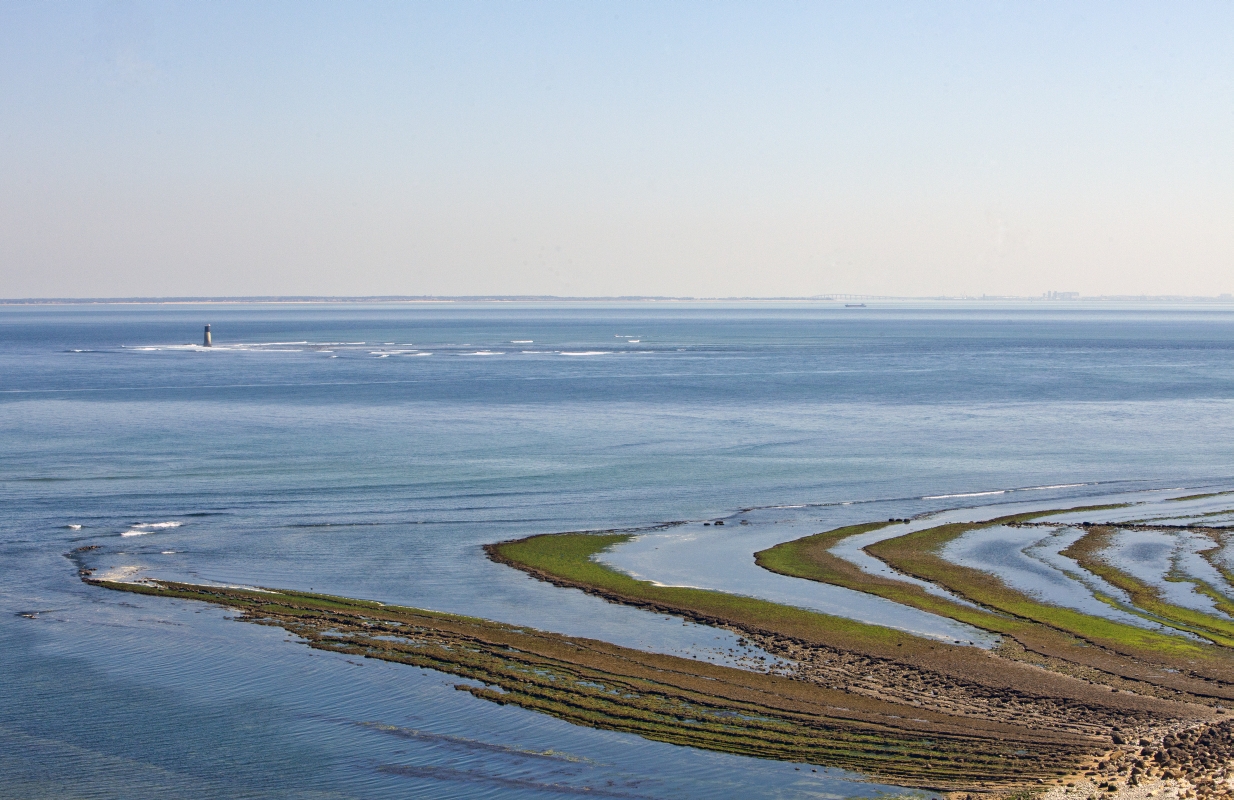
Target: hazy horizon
point(615, 149)
point(1225, 297)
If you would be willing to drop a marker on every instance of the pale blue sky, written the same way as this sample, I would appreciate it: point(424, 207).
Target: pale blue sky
point(593, 148)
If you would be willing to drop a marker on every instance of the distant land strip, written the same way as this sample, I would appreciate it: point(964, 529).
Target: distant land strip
point(545, 298)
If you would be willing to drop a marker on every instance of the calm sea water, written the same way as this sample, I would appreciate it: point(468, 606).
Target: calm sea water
point(370, 450)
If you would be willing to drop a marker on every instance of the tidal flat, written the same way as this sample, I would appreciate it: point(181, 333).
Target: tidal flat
point(1064, 699)
point(1133, 688)
point(664, 698)
point(1193, 668)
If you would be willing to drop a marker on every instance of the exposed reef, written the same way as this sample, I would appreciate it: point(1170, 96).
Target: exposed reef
point(1067, 702)
point(666, 698)
point(1193, 751)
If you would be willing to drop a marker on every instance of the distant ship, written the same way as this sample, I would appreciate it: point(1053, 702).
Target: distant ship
point(854, 305)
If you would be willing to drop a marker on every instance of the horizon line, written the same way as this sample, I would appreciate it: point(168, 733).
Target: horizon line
point(1064, 297)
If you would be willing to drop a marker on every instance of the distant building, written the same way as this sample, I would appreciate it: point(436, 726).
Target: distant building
point(1062, 295)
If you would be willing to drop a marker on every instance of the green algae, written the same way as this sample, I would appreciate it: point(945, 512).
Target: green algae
point(917, 554)
point(1087, 552)
point(660, 697)
point(1112, 647)
point(567, 559)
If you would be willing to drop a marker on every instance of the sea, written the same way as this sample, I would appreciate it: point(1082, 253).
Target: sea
point(371, 449)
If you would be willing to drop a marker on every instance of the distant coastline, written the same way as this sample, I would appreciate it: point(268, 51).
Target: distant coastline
point(825, 298)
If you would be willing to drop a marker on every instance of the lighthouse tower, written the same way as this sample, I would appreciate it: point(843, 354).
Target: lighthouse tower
point(206, 341)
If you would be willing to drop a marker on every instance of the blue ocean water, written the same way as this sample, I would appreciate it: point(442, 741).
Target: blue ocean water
point(369, 450)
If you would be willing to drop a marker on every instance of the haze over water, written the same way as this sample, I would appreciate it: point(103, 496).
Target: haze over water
point(369, 450)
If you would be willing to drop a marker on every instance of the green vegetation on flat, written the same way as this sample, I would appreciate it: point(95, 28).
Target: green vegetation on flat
point(568, 559)
point(1087, 552)
point(1039, 627)
point(809, 557)
point(1199, 496)
point(664, 698)
point(1041, 630)
point(990, 721)
point(917, 554)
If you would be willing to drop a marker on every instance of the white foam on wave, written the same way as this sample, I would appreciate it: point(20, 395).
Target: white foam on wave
point(522, 341)
point(484, 353)
point(1005, 491)
point(586, 352)
point(633, 341)
point(243, 586)
point(143, 528)
point(229, 347)
point(73, 527)
point(1055, 486)
point(123, 574)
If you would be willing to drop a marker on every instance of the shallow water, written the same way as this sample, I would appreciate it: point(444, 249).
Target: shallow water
point(1027, 559)
point(703, 556)
point(1151, 556)
point(723, 559)
point(852, 549)
point(312, 448)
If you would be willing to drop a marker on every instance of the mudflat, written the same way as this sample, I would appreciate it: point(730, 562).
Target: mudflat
point(1065, 699)
point(666, 698)
point(1133, 689)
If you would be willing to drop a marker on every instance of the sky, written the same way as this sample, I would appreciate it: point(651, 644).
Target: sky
point(615, 148)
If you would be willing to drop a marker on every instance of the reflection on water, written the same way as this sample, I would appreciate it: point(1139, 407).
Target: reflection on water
point(702, 555)
point(1165, 560)
point(284, 721)
point(723, 559)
